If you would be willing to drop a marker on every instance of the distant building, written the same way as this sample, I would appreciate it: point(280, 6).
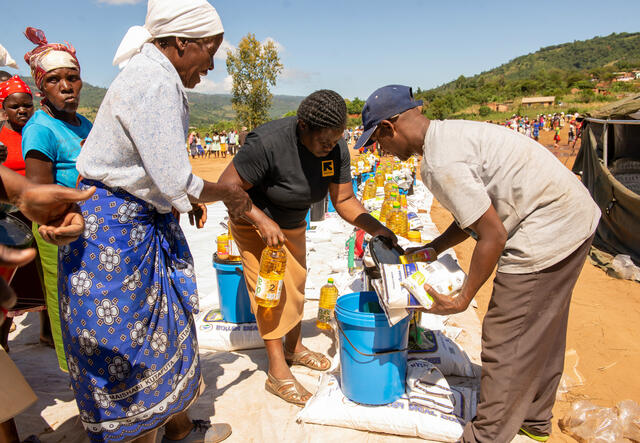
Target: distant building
point(625, 76)
point(535, 101)
point(499, 107)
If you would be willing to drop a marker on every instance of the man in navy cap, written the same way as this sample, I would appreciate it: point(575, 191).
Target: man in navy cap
point(531, 217)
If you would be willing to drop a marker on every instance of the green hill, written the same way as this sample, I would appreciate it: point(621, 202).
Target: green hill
point(205, 109)
point(553, 70)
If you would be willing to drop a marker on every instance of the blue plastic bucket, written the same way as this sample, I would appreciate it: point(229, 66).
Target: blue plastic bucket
point(330, 207)
point(235, 305)
point(373, 355)
point(308, 219)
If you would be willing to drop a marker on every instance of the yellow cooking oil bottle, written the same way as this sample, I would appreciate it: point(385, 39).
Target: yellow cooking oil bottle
point(269, 285)
point(234, 252)
point(388, 186)
point(397, 220)
point(328, 297)
point(380, 178)
point(387, 206)
point(415, 236)
point(223, 247)
point(369, 190)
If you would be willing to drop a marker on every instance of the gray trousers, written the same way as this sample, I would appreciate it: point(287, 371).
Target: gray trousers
point(523, 345)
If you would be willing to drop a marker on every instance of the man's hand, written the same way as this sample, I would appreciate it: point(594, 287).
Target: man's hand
point(10, 257)
point(236, 200)
point(271, 232)
point(198, 215)
point(444, 305)
point(51, 204)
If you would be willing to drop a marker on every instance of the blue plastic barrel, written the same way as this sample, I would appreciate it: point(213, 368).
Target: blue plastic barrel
point(373, 355)
point(235, 305)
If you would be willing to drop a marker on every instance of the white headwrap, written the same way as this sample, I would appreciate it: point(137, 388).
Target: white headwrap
point(5, 58)
point(166, 18)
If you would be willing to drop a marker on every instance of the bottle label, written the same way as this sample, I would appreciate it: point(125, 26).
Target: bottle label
point(324, 314)
point(268, 289)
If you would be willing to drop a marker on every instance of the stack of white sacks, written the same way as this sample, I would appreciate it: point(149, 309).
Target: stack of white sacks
point(433, 407)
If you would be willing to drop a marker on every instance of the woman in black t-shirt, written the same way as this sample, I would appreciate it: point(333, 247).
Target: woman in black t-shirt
point(285, 166)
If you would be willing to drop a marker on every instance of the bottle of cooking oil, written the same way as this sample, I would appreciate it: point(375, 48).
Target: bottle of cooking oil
point(380, 178)
point(328, 297)
point(403, 201)
point(223, 246)
point(234, 252)
point(387, 206)
point(414, 236)
point(397, 220)
point(388, 187)
point(369, 190)
point(269, 285)
point(354, 165)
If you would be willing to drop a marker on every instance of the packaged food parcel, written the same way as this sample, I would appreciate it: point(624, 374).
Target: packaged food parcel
point(329, 406)
point(215, 334)
point(444, 275)
point(441, 351)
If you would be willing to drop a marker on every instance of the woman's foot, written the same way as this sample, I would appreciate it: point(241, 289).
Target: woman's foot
point(308, 358)
point(202, 431)
point(289, 389)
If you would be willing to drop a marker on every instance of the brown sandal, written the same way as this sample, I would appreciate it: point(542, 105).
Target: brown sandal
point(289, 389)
point(310, 359)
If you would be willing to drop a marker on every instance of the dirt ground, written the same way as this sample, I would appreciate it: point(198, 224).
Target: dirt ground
point(603, 350)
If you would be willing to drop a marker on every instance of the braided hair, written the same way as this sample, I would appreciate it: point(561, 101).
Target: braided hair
point(323, 109)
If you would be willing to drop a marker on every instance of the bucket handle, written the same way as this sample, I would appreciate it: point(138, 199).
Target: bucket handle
point(239, 271)
point(375, 354)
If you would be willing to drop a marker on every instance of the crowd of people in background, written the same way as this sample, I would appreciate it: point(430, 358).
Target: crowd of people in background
point(216, 144)
point(545, 122)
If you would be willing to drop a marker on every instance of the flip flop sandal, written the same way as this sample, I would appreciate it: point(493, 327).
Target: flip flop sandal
point(540, 438)
point(204, 432)
point(310, 359)
point(289, 389)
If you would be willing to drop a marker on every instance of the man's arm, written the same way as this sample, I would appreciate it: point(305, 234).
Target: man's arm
point(492, 237)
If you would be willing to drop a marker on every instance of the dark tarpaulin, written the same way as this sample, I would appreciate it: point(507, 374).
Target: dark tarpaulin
point(619, 228)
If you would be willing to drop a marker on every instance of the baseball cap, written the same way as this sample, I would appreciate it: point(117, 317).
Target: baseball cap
point(384, 103)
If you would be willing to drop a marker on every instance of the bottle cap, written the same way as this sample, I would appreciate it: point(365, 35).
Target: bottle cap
point(330, 281)
point(394, 186)
point(393, 194)
point(396, 205)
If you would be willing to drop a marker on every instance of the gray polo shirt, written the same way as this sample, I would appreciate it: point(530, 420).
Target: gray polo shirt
point(545, 209)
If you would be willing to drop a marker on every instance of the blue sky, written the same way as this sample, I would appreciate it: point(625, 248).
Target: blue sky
point(352, 47)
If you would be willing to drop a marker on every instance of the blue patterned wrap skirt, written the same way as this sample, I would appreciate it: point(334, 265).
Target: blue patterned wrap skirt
point(127, 298)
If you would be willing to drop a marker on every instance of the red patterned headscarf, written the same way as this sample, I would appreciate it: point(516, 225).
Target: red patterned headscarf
point(13, 86)
point(48, 56)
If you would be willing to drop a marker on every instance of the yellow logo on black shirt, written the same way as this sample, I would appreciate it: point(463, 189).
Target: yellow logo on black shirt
point(327, 168)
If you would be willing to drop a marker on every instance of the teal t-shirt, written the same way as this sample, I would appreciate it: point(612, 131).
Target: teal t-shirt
point(58, 140)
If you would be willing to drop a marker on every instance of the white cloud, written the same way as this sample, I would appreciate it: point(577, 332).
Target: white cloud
point(120, 2)
point(279, 46)
point(207, 86)
point(222, 50)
